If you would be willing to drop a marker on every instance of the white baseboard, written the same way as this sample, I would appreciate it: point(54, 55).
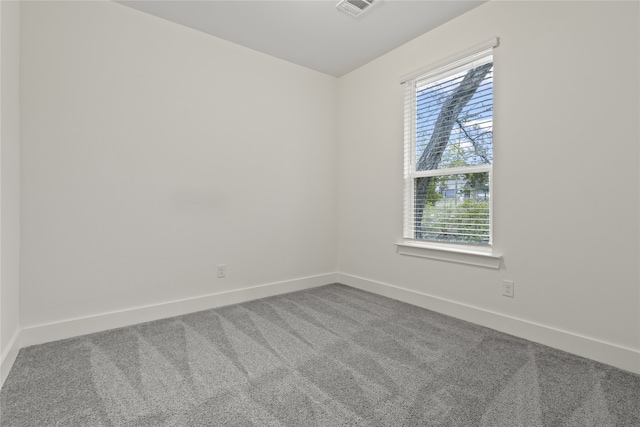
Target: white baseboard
point(611, 354)
point(9, 356)
point(40, 334)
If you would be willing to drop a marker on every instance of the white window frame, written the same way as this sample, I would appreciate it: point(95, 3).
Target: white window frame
point(479, 255)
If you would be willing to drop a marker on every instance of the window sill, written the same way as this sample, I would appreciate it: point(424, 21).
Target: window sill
point(480, 257)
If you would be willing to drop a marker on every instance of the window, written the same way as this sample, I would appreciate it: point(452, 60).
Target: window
point(449, 150)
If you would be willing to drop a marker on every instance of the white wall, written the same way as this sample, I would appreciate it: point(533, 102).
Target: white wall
point(10, 183)
point(566, 174)
point(152, 152)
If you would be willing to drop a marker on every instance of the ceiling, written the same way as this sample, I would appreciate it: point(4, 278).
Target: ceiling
point(311, 33)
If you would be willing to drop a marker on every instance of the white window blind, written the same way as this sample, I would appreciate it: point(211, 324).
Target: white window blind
point(449, 151)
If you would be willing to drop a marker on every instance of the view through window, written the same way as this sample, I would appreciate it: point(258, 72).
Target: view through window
point(449, 153)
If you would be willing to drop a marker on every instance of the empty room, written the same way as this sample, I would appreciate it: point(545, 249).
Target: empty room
point(319, 213)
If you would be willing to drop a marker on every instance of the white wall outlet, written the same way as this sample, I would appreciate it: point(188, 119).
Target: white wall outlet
point(508, 288)
point(222, 271)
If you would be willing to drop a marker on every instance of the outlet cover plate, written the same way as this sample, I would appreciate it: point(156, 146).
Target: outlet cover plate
point(508, 288)
point(222, 271)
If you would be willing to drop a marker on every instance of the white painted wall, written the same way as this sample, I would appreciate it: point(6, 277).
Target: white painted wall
point(566, 189)
point(152, 152)
point(9, 182)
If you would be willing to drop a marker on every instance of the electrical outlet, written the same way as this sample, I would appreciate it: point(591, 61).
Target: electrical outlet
point(508, 288)
point(222, 271)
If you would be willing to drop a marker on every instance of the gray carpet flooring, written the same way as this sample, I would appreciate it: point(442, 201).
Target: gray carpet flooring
point(328, 356)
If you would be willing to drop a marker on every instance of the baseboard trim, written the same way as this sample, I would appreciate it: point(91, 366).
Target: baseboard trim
point(55, 331)
point(9, 357)
point(601, 351)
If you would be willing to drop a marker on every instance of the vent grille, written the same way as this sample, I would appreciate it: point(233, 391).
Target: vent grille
point(354, 7)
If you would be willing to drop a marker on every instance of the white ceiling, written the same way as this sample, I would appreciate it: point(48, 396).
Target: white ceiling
point(311, 33)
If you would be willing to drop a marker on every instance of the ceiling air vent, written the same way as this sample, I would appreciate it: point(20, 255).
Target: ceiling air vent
point(354, 7)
